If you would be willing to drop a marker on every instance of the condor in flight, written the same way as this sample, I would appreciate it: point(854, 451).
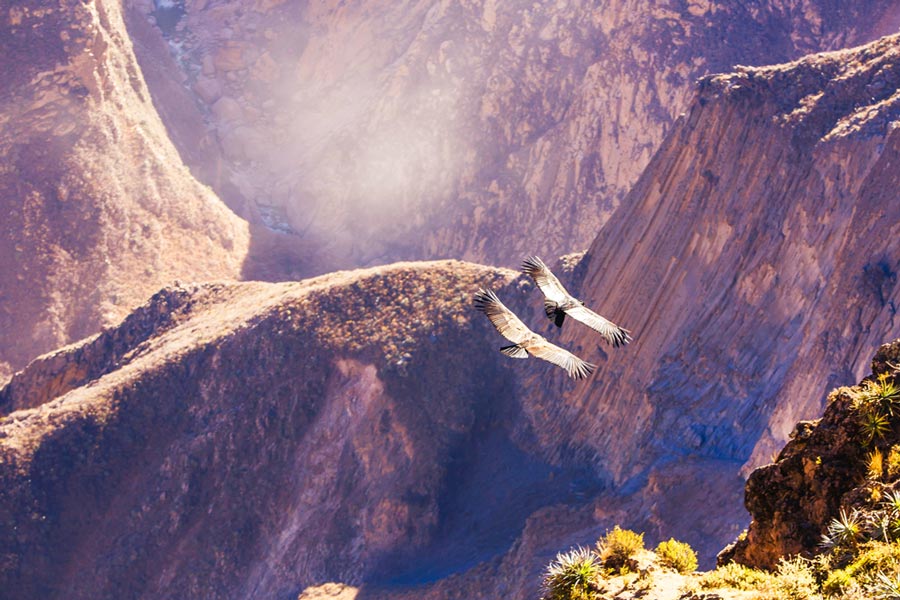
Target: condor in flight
point(558, 303)
point(524, 341)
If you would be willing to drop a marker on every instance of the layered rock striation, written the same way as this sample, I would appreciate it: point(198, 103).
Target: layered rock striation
point(99, 210)
point(754, 260)
point(481, 130)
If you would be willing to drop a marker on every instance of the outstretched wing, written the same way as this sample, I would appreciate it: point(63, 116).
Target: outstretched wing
point(546, 281)
point(503, 319)
point(615, 335)
point(574, 366)
point(556, 293)
point(525, 340)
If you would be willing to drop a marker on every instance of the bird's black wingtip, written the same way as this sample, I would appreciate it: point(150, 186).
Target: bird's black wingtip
point(533, 264)
point(582, 370)
point(483, 298)
point(620, 337)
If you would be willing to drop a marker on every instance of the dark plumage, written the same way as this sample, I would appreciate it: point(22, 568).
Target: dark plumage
point(524, 341)
point(558, 303)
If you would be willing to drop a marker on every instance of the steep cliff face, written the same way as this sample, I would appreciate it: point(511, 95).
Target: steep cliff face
point(253, 440)
point(99, 211)
point(823, 469)
point(754, 257)
point(482, 130)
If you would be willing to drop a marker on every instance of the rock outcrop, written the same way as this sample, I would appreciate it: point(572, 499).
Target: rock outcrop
point(481, 130)
point(99, 211)
point(755, 261)
point(822, 469)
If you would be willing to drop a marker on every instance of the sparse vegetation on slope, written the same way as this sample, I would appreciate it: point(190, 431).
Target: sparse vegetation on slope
point(228, 421)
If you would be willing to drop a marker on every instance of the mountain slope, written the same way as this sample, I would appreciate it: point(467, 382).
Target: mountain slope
point(253, 439)
point(100, 210)
point(481, 130)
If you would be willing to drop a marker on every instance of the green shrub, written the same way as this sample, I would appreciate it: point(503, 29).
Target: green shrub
point(735, 576)
point(795, 580)
point(838, 583)
point(872, 558)
point(677, 555)
point(618, 547)
point(893, 463)
point(868, 572)
point(572, 576)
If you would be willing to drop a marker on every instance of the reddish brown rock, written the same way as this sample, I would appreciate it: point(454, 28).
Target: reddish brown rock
point(495, 130)
point(231, 56)
point(821, 470)
point(208, 90)
point(228, 110)
point(99, 210)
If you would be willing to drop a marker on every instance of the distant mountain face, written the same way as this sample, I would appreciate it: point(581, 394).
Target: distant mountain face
point(480, 130)
point(756, 262)
point(99, 211)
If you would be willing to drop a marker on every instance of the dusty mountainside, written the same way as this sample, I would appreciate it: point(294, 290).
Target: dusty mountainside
point(252, 439)
point(481, 130)
point(756, 260)
point(99, 211)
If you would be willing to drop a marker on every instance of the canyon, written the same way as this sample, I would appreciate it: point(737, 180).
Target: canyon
point(358, 431)
point(478, 130)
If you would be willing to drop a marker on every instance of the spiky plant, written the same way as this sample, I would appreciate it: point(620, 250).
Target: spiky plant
point(885, 390)
point(881, 526)
point(844, 531)
point(886, 587)
point(885, 522)
point(873, 424)
point(882, 392)
point(572, 576)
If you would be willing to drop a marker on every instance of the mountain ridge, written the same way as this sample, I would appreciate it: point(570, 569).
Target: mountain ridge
point(207, 390)
point(101, 209)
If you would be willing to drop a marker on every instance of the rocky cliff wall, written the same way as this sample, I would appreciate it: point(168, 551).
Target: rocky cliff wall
point(823, 468)
point(755, 261)
point(481, 130)
point(99, 210)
